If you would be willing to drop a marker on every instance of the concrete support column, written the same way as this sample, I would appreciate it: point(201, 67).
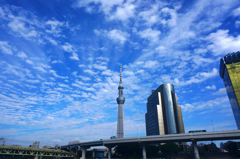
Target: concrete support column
point(195, 149)
point(109, 150)
point(144, 156)
point(83, 152)
point(109, 153)
point(35, 157)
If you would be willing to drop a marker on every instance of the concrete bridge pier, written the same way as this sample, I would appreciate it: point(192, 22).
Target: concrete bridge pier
point(84, 152)
point(195, 150)
point(109, 150)
point(144, 155)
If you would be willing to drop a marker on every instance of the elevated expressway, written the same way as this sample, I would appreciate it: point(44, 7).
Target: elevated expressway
point(145, 140)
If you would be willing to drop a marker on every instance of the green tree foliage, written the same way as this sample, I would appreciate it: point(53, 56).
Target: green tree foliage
point(135, 150)
point(152, 151)
point(128, 150)
point(89, 154)
point(232, 148)
point(169, 149)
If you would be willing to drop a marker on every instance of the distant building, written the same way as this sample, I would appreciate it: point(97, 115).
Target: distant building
point(113, 137)
point(230, 73)
point(222, 146)
point(35, 144)
point(47, 147)
point(163, 116)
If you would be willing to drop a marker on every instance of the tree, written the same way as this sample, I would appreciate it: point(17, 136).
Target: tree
point(152, 151)
point(128, 150)
point(169, 149)
point(232, 148)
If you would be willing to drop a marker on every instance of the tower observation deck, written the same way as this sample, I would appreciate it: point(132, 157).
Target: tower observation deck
point(120, 101)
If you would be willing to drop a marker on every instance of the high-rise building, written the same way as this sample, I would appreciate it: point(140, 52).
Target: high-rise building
point(230, 73)
point(120, 101)
point(163, 116)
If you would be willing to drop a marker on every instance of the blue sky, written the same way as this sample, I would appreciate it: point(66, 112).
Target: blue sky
point(59, 65)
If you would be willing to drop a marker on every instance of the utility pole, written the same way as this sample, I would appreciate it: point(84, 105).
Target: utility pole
point(212, 125)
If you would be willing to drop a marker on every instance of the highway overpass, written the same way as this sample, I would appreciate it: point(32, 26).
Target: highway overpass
point(144, 140)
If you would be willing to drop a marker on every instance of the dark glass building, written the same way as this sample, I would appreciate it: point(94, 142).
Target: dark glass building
point(230, 73)
point(163, 116)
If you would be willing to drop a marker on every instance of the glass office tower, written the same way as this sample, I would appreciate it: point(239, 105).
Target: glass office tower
point(163, 116)
point(230, 73)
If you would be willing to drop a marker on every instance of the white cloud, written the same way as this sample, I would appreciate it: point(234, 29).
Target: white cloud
point(198, 78)
point(74, 73)
point(160, 48)
point(56, 61)
point(199, 60)
point(237, 23)
point(221, 91)
point(236, 12)
point(204, 105)
point(124, 12)
point(54, 42)
point(49, 83)
point(150, 16)
point(40, 69)
point(173, 20)
point(107, 72)
point(89, 72)
point(68, 47)
point(151, 64)
point(187, 107)
point(226, 111)
point(29, 61)
point(99, 67)
point(22, 55)
point(151, 35)
point(81, 65)
point(75, 95)
point(6, 48)
point(74, 56)
point(55, 27)
point(63, 85)
point(32, 81)
point(56, 75)
point(223, 43)
point(213, 87)
point(118, 35)
point(18, 25)
point(85, 78)
point(103, 58)
point(105, 5)
point(200, 51)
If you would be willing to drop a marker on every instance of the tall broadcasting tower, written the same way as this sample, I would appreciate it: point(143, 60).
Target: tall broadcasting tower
point(120, 101)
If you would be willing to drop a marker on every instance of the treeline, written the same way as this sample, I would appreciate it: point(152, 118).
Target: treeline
point(153, 151)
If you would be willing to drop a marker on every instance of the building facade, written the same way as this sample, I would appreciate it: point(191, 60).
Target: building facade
point(163, 116)
point(230, 73)
point(120, 101)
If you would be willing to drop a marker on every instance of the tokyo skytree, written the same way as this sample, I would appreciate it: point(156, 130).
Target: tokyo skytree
point(120, 101)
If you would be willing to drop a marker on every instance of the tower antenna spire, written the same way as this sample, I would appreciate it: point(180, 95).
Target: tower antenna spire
point(121, 73)
point(120, 101)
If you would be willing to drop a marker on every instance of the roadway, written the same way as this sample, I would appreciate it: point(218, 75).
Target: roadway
point(144, 140)
point(187, 137)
